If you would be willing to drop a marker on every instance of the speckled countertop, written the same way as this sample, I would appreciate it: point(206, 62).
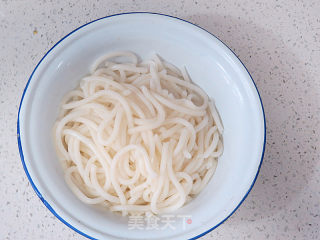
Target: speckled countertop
point(279, 42)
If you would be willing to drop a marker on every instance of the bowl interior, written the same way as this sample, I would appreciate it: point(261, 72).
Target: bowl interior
point(210, 64)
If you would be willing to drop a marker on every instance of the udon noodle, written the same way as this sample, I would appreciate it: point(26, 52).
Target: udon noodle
point(137, 137)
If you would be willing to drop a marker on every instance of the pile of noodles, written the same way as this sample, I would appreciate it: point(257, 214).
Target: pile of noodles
point(137, 137)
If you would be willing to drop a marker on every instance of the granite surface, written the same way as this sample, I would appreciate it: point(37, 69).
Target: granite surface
point(278, 41)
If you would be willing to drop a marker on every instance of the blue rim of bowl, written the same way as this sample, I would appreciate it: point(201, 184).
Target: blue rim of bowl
point(29, 80)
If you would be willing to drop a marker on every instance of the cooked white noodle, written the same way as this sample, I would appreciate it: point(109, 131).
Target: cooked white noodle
point(138, 137)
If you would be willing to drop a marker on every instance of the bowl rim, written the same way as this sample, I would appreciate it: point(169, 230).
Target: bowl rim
point(109, 16)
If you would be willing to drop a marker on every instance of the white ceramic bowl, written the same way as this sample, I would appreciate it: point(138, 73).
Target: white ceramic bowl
point(211, 64)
